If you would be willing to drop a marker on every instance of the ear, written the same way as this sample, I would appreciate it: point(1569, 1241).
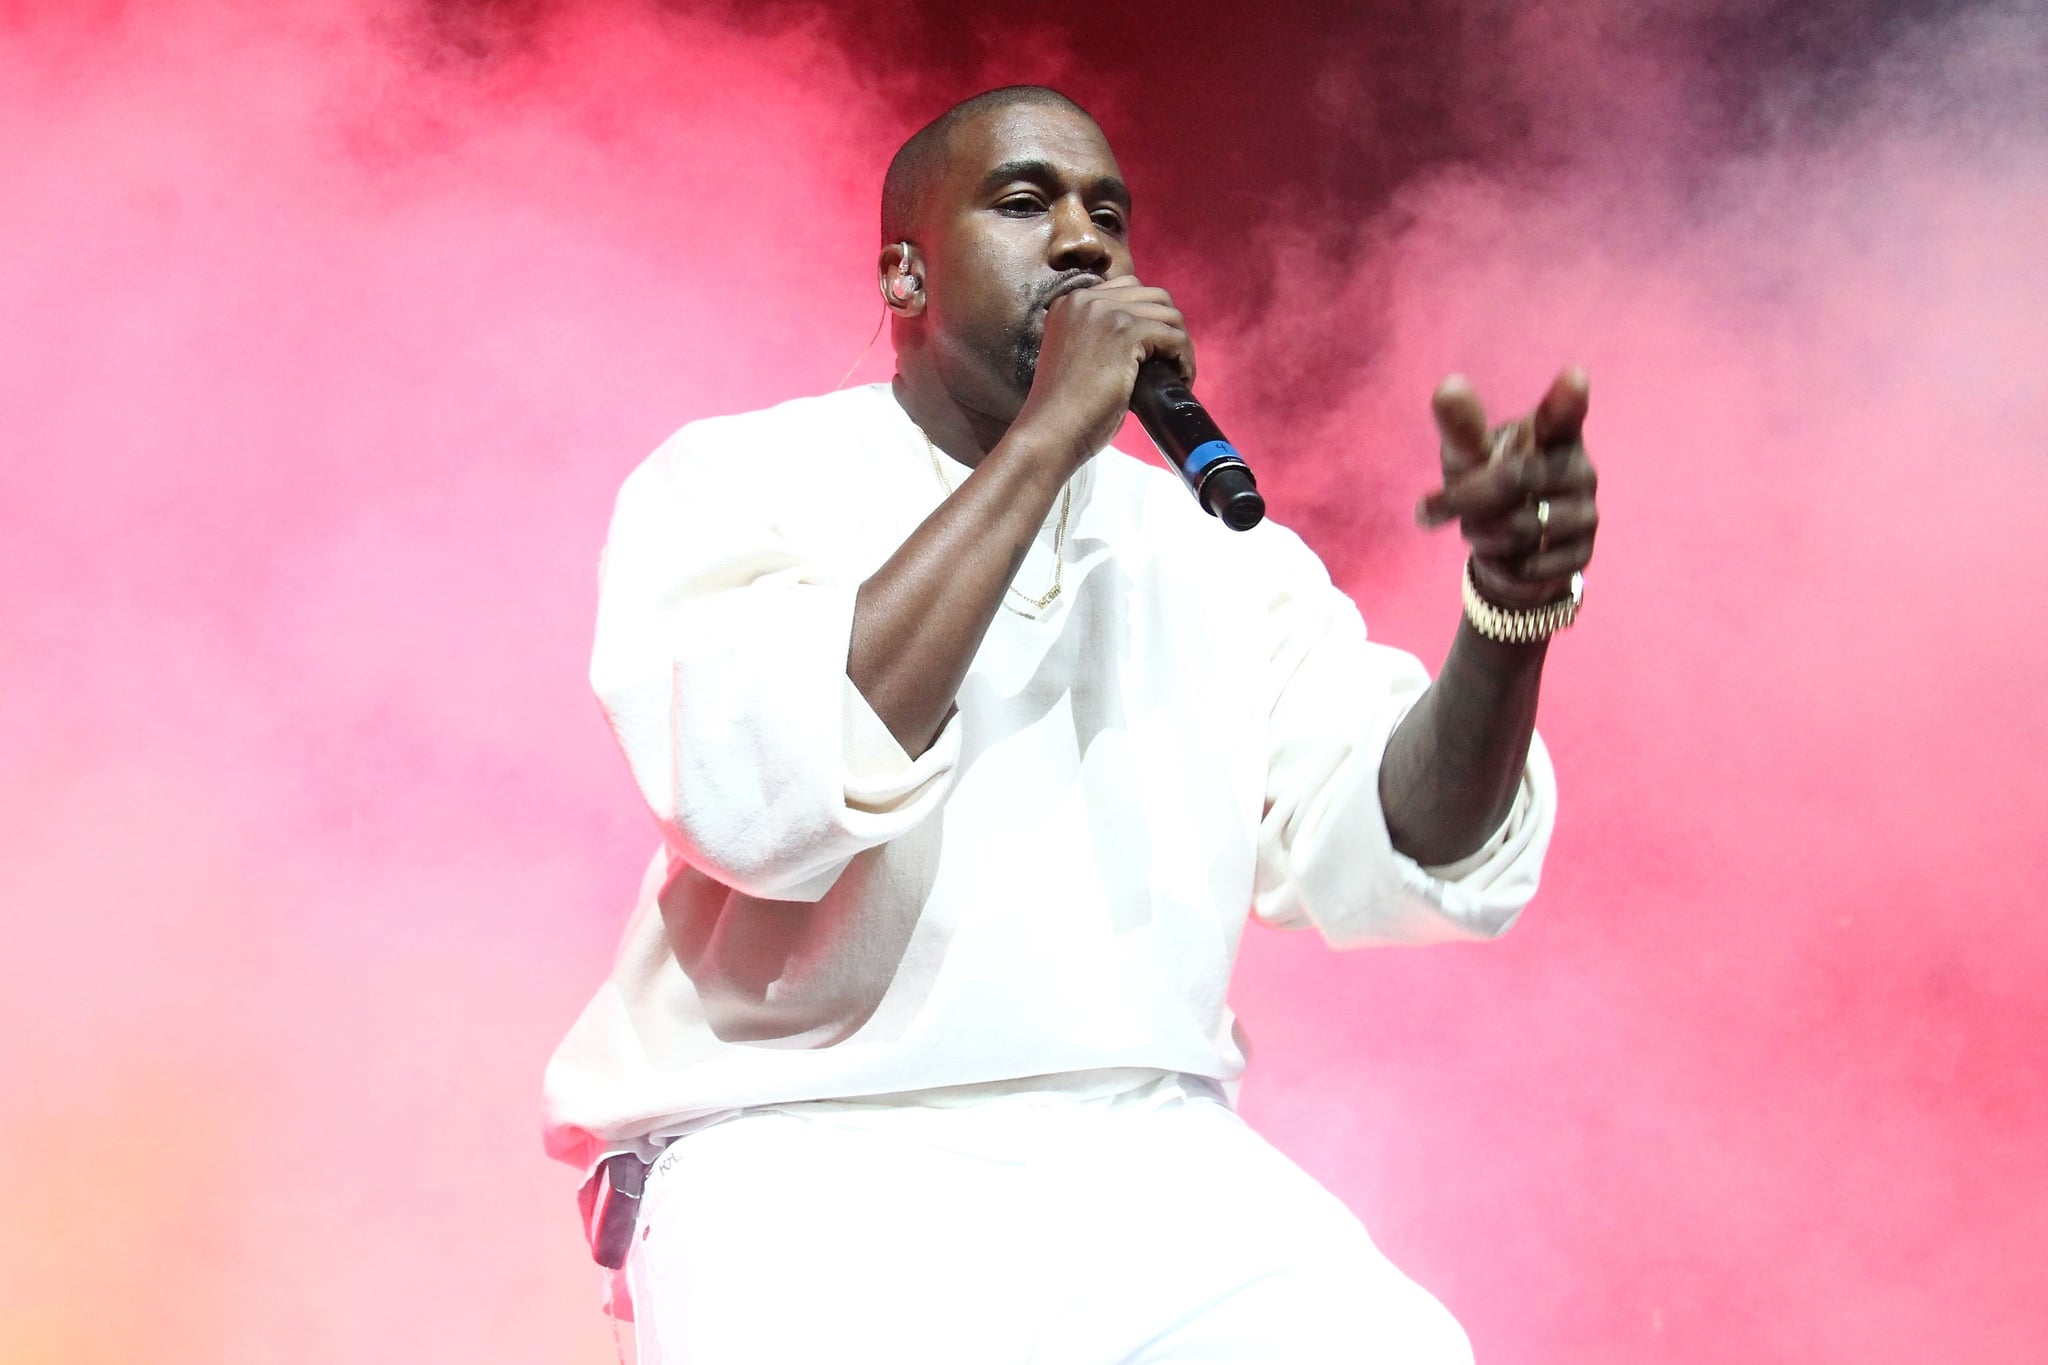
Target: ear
point(901, 280)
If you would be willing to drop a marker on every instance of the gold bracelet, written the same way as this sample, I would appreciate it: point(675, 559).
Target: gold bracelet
point(1521, 627)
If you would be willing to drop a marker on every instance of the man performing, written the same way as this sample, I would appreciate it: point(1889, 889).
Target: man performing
point(972, 742)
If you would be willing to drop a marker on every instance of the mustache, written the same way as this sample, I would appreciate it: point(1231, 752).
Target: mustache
point(1061, 285)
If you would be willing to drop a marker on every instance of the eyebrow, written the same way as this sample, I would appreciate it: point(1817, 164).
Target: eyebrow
point(1045, 174)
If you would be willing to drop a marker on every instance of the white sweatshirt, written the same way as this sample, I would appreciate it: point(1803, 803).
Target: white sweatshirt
point(1191, 730)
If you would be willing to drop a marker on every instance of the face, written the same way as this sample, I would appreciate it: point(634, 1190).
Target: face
point(1031, 206)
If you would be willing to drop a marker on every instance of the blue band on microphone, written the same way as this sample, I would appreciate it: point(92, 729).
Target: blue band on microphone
point(1204, 455)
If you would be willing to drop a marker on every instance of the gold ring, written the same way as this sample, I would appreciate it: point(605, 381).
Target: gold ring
point(1542, 525)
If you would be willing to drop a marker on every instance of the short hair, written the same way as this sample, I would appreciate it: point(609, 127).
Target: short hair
point(917, 165)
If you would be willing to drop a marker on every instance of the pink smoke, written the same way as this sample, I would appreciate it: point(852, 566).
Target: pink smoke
point(329, 345)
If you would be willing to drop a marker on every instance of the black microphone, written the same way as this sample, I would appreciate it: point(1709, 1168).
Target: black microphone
point(1193, 444)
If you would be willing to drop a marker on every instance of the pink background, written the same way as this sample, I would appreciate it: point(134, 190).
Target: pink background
point(328, 330)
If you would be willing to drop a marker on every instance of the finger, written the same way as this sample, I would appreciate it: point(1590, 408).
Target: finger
point(1113, 314)
point(1157, 337)
point(1562, 412)
point(1109, 296)
point(1564, 470)
point(1527, 531)
point(1558, 562)
point(1123, 289)
point(1155, 312)
point(1461, 421)
point(1491, 490)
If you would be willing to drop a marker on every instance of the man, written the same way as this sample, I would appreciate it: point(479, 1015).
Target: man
point(971, 742)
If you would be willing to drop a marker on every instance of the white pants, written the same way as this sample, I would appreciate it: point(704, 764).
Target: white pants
point(1034, 1229)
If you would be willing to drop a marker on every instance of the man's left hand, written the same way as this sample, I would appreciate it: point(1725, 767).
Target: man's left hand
point(1521, 492)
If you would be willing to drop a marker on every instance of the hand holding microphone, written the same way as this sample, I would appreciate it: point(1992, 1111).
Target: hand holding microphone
point(1115, 344)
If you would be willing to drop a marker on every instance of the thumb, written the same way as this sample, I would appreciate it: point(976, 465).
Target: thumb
point(1461, 422)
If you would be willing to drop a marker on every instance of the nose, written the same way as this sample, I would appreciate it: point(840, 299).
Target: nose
point(1078, 241)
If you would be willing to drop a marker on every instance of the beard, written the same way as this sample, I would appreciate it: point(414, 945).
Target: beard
point(1024, 355)
point(1010, 356)
point(1028, 338)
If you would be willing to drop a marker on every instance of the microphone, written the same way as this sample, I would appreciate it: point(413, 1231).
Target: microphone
point(1193, 444)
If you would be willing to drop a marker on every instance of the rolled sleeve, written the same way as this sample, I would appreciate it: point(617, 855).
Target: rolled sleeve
point(1347, 879)
point(881, 776)
point(720, 661)
point(1326, 858)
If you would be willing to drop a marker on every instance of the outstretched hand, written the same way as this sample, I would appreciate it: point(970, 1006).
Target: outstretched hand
point(1522, 492)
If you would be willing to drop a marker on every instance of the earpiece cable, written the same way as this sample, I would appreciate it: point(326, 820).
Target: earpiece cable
point(863, 350)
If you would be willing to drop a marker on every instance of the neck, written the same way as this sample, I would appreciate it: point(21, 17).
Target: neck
point(963, 431)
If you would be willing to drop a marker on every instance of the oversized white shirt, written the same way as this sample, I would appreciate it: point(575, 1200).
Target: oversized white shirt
point(1190, 731)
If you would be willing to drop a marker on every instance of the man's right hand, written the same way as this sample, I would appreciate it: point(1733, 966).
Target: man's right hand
point(920, 617)
point(1095, 339)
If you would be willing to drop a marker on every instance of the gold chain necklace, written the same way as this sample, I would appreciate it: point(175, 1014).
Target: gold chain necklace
point(1059, 535)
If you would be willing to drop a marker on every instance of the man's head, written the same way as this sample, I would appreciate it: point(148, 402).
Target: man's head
point(996, 207)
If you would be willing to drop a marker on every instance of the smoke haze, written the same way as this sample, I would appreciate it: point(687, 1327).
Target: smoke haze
point(332, 329)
